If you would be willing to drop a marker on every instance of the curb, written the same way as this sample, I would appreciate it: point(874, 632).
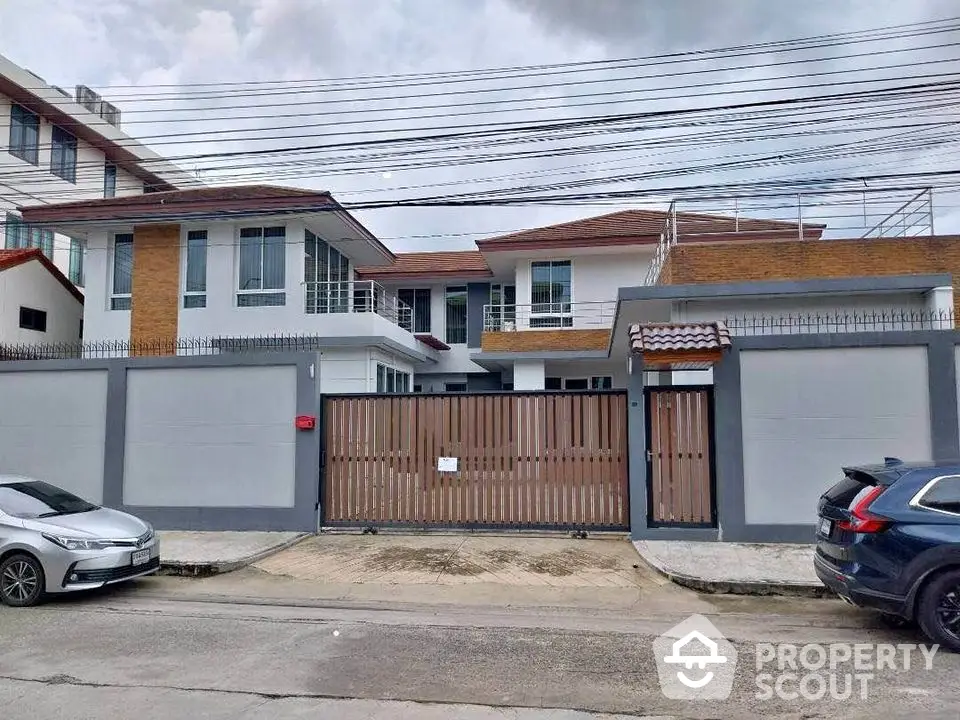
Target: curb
point(739, 587)
point(219, 567)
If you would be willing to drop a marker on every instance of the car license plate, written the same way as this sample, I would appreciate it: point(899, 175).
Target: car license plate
point(825, 526)
point(140, 557)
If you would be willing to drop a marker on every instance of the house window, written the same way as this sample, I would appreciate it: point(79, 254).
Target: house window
point(553, 383)
point(551, 293)
point(122, 271)
point(503, 307)
point(63, 154)
point(575, 384)
point(195, 288)
point(456, 303)
point(390, 380)
point(326, 273)
point(455, 387)
point(109, 180)
point(24, 134)
point(17, 234)
point(262, 272)
point(31, 319)
point(75, 271)
point(418, 300)
point(601, 382)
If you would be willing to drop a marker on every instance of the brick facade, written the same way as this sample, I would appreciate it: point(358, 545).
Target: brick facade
point(532, 340)
point(155, 297)
point(809, 259)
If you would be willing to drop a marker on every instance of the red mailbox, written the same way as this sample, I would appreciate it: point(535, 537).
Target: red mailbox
point(306, 422)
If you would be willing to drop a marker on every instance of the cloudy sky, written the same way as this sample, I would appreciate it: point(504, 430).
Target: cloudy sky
point(195, 77)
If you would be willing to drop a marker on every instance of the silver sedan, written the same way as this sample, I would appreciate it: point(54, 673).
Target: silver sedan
point(51, 541)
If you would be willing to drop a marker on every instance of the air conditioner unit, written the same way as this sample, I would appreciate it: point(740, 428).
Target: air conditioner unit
point(110, 113)
point(88, 98)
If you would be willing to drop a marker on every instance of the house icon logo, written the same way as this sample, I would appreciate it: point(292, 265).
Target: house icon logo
point(694, 661)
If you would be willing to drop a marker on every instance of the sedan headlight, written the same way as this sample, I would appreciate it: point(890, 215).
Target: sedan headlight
point(69, 543)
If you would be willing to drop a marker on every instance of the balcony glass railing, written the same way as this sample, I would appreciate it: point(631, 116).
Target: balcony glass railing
point(549, 316)
point(356, 296)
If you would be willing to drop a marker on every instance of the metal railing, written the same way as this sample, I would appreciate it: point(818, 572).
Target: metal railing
point(668, 238)
point(549, 316)
point(356, 296)
point(94, 350)
point(841, 322)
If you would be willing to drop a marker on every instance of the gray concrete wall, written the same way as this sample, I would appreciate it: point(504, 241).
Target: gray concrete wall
point(191, 443)
point(807, 412)
point(53, 427)
point(210, 437)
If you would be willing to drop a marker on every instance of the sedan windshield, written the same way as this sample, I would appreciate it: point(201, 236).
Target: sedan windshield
point(35, 499)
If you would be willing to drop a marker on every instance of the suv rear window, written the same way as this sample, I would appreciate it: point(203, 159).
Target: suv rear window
point(843, 493)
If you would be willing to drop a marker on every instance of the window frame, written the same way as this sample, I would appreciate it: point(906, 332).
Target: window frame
point(391, 381)
point(577, 379)
point(414, 316)
point(594, 385)
point(280, 293)
point(75, 261)
point(116, 300)
point(194, 299)
point(458, 291)
point(21, 150)
point(917, 501)
point(109, 189)
point(551, 319)
point(41, 315)
point(330, 294)
point(455, 387)
point(67, 142)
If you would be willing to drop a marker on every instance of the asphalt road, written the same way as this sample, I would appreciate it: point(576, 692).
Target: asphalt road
point(134, 653)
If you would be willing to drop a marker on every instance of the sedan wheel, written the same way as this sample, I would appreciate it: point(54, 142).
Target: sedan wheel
point(21, 581)
point(939, 611)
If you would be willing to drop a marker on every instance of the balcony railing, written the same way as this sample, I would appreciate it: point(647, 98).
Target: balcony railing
point(356, 296)
point(549, 316)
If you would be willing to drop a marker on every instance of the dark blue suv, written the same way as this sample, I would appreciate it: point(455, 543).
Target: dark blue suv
point(888, 538)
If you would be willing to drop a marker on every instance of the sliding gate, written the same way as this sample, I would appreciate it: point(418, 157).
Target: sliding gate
point(542, 460)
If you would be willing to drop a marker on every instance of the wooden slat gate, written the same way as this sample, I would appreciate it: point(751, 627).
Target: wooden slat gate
point(680, 486)
point(546, 460)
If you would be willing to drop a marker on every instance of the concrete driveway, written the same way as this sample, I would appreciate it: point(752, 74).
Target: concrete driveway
point(513, 560)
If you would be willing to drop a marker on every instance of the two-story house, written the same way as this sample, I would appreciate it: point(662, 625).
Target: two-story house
point(253, 265)
point(534, 310)
point(58, 147)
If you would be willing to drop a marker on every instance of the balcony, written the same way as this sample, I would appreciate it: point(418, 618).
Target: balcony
point(547, 326)
point(356, 296)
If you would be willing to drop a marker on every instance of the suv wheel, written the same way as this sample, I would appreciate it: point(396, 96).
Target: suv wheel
point(21, 581)
point(939, 610)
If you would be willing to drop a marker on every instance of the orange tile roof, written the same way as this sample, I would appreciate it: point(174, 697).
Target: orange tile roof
point(12, 258)
point(634, 227)
point(678, 337)
point(459, 263)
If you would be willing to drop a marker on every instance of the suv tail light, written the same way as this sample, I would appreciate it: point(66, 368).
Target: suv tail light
point(863, 521)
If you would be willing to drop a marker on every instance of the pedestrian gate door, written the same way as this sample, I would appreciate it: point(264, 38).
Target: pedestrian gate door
point(510, 460)
point(679, 456)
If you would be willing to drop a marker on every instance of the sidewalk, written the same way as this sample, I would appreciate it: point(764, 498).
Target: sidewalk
point(736, 568)
point(211, 553)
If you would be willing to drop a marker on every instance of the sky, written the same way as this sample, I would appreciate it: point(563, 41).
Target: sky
point(173, 67)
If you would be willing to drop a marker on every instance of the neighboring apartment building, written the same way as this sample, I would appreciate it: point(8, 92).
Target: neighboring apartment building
point(58, 147)
point(38, 304)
